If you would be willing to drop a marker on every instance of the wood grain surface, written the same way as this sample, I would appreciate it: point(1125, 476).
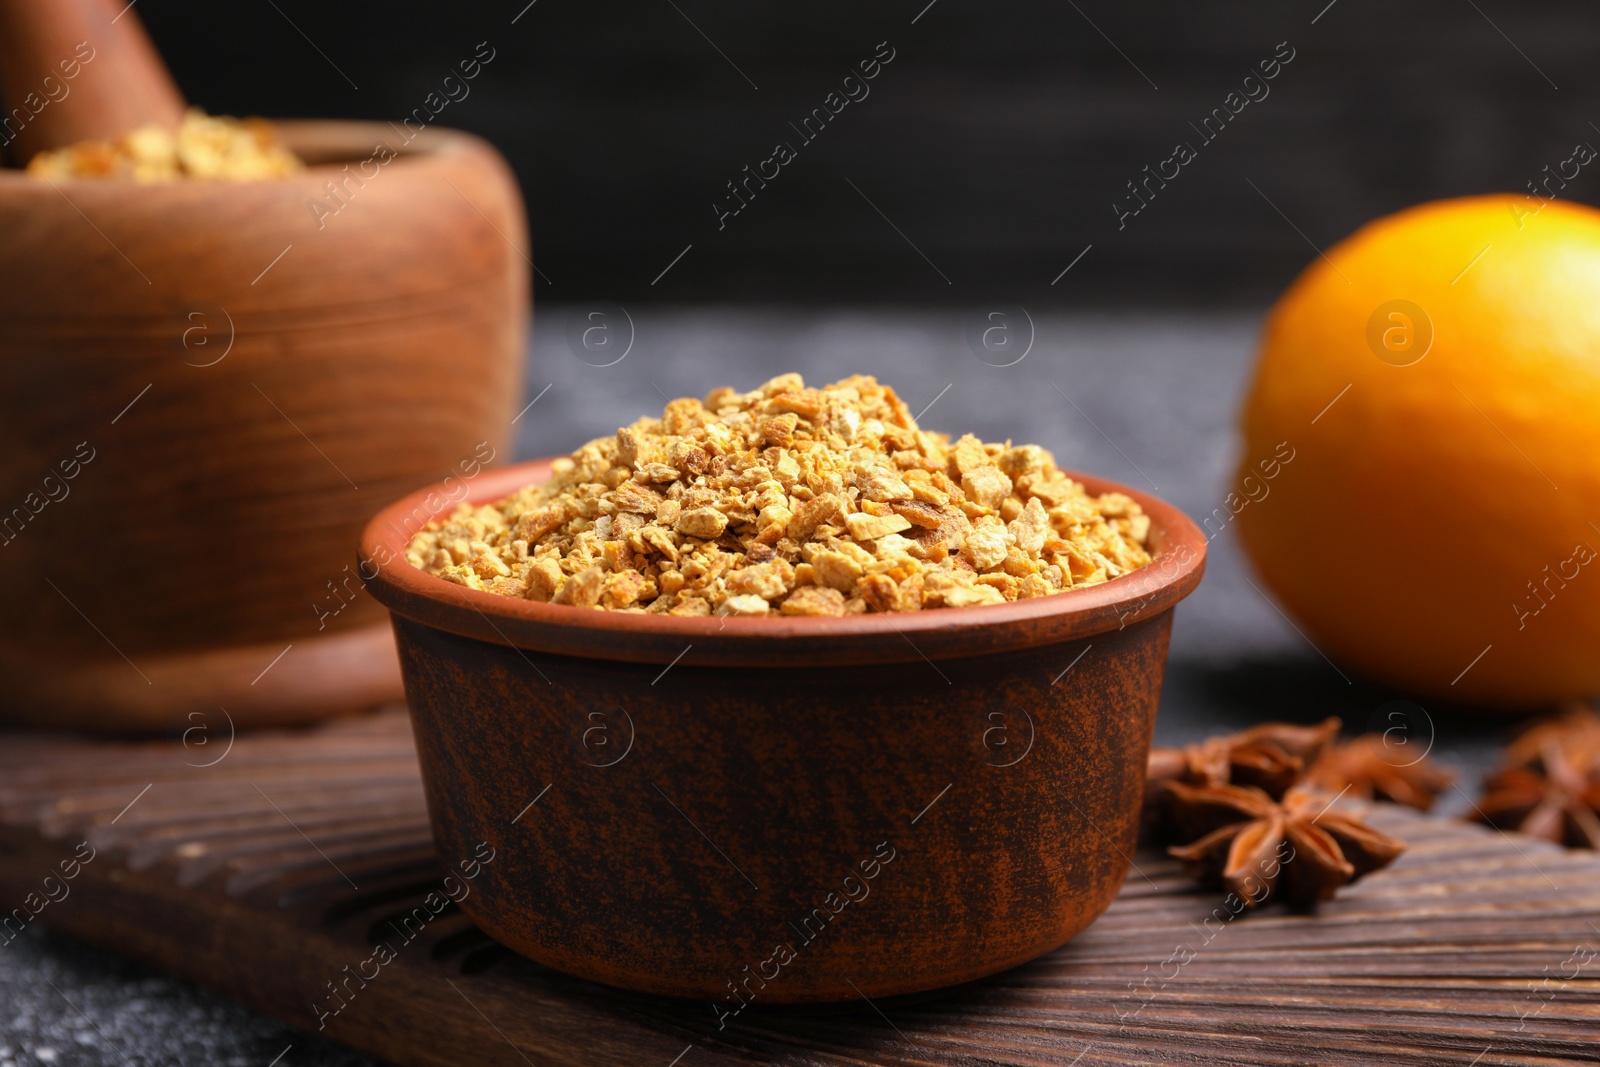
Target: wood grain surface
point(268, 873)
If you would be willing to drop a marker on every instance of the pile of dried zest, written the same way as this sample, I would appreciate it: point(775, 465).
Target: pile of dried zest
point(793, 500)
point(223, 149)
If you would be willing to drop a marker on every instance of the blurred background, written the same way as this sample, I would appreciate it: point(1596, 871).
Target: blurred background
point(997, 139)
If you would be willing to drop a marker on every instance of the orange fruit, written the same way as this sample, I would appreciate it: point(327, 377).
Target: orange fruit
point(1435, 381)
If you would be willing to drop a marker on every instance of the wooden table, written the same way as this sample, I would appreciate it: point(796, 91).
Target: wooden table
point(268, 873)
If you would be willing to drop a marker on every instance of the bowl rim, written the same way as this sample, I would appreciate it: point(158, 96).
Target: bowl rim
point(415, 596)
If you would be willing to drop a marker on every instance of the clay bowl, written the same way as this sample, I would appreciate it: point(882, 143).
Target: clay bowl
point(207, 389)
point(784, 809)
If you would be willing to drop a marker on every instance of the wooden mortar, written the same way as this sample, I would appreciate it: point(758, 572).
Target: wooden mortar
point(205, 390)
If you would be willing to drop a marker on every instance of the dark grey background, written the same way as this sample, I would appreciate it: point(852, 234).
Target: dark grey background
point(996, 141)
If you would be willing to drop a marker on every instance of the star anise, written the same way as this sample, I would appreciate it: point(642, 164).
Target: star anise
point(1271, 757)
point(1294, 849)
point(1552, 797)
point(1372, 766)
point(1576, 731)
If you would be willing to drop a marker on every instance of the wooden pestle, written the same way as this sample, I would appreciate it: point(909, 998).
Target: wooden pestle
point(78, 70)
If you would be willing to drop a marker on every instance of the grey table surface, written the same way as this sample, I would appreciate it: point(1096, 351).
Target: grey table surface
point(1149, 399)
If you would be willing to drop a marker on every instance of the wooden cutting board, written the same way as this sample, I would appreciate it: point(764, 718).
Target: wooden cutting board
point(264, 867)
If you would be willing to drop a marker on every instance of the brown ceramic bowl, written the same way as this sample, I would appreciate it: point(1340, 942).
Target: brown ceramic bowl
point(784, 809)
point(207, 388)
